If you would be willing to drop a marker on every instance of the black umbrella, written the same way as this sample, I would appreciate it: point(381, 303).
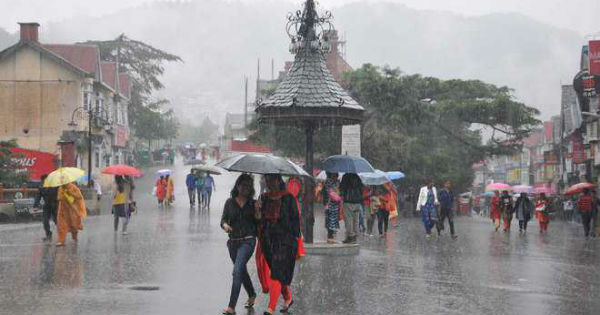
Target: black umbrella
point(261, 164)
point(208, 169)
point(347, 164)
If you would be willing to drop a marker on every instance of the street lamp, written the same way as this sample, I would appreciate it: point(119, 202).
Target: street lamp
point(72, 123)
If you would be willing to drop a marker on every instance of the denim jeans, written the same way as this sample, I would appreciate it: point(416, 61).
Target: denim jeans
point(382, 221)
point(240, 251)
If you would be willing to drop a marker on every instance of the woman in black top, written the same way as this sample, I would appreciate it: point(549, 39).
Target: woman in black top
point(240, 219)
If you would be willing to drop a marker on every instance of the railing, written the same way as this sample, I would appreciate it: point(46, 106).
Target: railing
point(7, 195)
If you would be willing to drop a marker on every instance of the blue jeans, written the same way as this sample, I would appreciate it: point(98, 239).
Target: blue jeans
point(429, 218)
point(240, 251)
point(361, 219)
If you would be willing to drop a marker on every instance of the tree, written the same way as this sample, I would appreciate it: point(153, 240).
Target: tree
point(10, 174)
point(426, 127)
point(431, 128)
point(198, 134)
point(144, 64)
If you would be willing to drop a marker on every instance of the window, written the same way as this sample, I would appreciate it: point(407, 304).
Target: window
point(86, 89)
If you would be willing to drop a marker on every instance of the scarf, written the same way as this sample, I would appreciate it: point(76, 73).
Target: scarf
point(272, 211)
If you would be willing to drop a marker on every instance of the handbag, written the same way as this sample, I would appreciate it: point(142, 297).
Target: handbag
point(132, 207)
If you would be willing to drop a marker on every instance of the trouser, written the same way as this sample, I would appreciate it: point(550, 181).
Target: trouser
point(446, 214)
point(192, 195)
point(523, 225)
point(275, 288)
point(382, 221)
point(240, 251)
point(351, 220)
point(126, 218)
point(200, 193)
point(586, 220)
point(62, 235)
point(361, 219)
point(49, 212)
point(507, 219)
point(568, 215)
point(543, 226)
point(428, 220)
point(496, 222)
point(330, 234)
point(207, 196)
point(370, 222)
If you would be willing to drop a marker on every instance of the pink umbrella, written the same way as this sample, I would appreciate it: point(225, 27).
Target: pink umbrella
point(498, 187)
point(124, 170)
point(522, 188)
point(577, 188)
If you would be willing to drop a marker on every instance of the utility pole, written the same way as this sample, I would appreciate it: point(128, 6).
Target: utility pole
point(258, 80)
point(246, 102)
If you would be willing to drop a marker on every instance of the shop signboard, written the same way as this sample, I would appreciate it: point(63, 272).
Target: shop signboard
point(37, 163)
point(578, 150)
point(594, 57)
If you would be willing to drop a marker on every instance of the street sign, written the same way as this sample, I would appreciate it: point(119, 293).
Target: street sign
point(351, 140)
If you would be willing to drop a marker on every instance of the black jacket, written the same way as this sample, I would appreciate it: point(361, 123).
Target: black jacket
point(241, 220)
point(351, 188)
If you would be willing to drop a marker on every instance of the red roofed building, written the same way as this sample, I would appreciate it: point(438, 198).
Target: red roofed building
point(47, 91)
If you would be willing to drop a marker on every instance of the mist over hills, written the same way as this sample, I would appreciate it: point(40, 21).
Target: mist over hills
point(220, 42)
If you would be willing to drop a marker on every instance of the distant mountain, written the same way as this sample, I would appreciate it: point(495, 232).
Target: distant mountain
point(220, 42)
point(7, 39)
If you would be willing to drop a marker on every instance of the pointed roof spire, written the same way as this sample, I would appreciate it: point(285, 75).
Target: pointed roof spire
point(309, 92)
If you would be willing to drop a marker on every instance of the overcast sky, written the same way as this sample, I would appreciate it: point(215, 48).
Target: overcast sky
point(577, 15)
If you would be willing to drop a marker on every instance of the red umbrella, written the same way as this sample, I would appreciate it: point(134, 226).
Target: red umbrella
point(123, 170)
point(577, 188)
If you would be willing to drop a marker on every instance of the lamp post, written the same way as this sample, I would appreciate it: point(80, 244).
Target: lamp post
point(72, 123)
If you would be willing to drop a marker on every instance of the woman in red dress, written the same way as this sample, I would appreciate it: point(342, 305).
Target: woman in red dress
point(279, 231)
point(542, 211)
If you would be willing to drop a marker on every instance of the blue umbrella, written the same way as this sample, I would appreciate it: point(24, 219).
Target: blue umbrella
point(347, 164)
point(374, 179)
point(163, 172)
point(396, 175)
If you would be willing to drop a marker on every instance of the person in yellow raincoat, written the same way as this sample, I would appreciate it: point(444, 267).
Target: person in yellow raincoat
point(71, 212)
point(170, 190)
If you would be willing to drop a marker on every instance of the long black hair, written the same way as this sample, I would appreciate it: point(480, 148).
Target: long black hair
point(240, 179)
point(120, 183)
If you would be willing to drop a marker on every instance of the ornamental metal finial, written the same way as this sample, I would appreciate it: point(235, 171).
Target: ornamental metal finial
point(308, 30)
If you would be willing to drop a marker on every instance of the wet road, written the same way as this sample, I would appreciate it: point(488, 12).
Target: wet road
point(182, 253)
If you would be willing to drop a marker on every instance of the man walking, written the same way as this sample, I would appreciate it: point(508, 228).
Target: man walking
point(190, 182)
point(351, 189)
point(49, 196)
point(446, 199)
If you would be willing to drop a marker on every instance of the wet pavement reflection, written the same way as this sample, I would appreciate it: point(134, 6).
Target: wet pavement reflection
point(174, 261)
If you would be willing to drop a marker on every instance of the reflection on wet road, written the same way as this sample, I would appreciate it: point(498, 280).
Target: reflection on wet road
point(177, 260)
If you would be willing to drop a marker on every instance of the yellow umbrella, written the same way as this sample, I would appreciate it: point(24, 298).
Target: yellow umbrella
point(63, 176)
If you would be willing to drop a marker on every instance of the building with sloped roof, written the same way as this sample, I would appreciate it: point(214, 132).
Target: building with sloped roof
point(47, 92)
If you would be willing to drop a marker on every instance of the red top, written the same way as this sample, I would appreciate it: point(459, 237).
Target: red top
point(585, 203)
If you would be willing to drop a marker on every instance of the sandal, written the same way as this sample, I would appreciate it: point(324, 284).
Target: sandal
point(287, 308)
point(225, 312)
point(250, 304)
